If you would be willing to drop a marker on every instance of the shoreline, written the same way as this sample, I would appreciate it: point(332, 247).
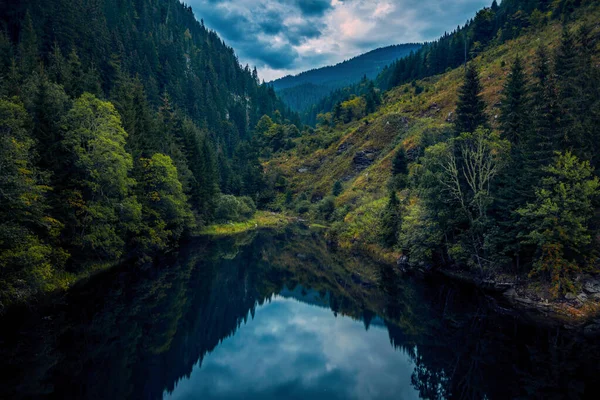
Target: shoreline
point(260, 220)
point(580, 312)
point(573, 311)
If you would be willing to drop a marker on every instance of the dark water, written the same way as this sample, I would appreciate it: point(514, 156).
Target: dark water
point(279, 315)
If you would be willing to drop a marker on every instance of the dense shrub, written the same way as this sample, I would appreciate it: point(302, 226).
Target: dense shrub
point(234, 209)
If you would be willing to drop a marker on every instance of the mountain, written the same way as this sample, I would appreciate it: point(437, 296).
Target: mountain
point(349, 71)
point(481, 169)
point(124, 124)
point(307, 88)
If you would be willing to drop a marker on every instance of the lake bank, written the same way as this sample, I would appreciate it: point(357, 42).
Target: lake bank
point(532, 298)
point(260, 220)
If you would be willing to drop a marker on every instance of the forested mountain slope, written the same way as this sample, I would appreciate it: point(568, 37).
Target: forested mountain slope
point(124, 124)
point(491, 169)
point(301, 91)
point(370, 64)
point(490, 26)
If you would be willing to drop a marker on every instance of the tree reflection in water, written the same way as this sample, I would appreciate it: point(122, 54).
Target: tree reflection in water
point(135, 333)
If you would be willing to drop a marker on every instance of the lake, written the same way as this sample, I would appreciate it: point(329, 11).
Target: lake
point(272, 315)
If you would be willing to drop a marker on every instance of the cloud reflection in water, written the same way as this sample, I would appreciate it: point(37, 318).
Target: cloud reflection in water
point(295, 350)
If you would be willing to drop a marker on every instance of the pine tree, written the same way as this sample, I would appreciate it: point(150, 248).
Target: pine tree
point(390, 221)
point(569, 93)
point(514, 109)
point(470, 110)
point(558, 221)
point(26, 231)
point(546, 138)
point(400, 162)
point(29, 46)
point(337, 188)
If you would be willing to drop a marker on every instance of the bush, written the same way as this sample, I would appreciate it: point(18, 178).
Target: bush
point(234, 209)
point(303, 207)
point(326, 207)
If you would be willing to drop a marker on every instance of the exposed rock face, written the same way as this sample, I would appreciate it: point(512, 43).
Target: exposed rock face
point(403, 263)
point(363, 159)
point(592, 286)
point(570, 296)
point(343, 147)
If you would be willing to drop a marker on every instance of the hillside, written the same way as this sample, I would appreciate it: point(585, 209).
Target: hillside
point(344, 172)
point(307, 88)
point(125, 125)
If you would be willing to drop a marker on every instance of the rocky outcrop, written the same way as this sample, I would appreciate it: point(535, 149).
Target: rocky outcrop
point(403, 263)
point(343, 147)
point(363, 159)
point(592, 286)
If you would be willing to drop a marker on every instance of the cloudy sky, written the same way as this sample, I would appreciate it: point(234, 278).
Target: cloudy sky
point(283, 37)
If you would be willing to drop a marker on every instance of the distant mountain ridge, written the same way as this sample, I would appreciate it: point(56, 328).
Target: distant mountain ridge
point(301, 91)
point(349, 71)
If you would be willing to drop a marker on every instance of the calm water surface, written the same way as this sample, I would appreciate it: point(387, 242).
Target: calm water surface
point(280, 315)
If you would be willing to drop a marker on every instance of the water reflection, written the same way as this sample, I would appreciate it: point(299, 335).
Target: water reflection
point(279, 315)
point(296, 351)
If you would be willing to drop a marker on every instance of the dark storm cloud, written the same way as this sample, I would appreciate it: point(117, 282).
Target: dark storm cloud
point(313, 7)
point(288, 36)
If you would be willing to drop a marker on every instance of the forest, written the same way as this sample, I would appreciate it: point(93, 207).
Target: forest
point(125, 125)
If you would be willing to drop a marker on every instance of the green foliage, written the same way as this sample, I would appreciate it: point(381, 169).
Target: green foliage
point(166, 213)
point(326, 208)
point(337, 189)
point(312, 87)
point(558, 221)
point(234, 209)
point(458, 182)
point(28, 263)
point(106, 180)
point(514, 109)
point(99, 200)
point(390, 221)
point(420, 235)
point(490, 26)
point(470, 109)
point(400, 162)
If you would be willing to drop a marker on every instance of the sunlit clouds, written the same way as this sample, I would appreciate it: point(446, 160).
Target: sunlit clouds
point(284, 37)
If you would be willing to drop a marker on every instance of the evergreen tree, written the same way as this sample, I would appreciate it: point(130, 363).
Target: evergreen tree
point(337, 188)
point(588, 80)
point(400, 162)
point(390, 221)
point(558, 221)
point(28, 46)
point(28, 250)
point(569, 93)
point(546, 138)
point(470, 109)
point(129, 99)
point(514, 114)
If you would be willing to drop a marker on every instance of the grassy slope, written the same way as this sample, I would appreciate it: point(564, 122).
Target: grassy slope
point(262, 219)
point(404, 118)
